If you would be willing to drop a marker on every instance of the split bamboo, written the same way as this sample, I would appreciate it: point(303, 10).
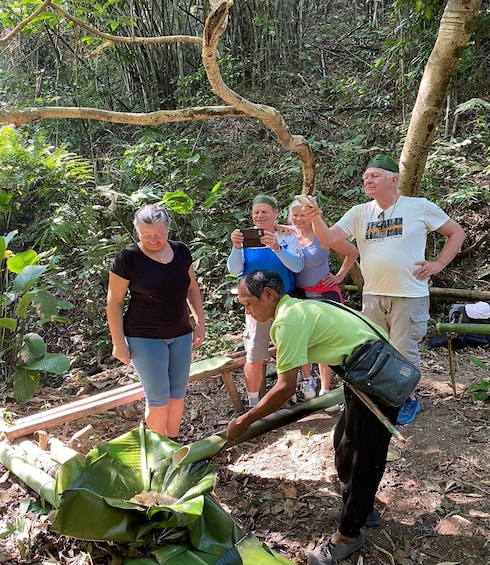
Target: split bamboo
point(37, 480)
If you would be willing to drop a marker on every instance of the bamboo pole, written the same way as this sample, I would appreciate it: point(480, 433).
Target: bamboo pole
point(210, 446)
point(451, 362)
point(463, 328)
point(377, 412)
point(442, 293)
point(34, 478)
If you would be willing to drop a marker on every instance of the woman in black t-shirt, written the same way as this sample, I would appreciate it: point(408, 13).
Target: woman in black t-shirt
point(154, 332)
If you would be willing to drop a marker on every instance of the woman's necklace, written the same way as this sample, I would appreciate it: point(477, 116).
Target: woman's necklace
point(164, 256)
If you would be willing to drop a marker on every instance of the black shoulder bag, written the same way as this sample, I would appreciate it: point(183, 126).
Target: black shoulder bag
point(378, 369)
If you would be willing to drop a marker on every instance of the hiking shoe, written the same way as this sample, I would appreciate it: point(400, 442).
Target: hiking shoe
point(308, 389)
point(373, 519)
point(333, 409)
point(328, 552)
point(289, 403)
point(410, 408)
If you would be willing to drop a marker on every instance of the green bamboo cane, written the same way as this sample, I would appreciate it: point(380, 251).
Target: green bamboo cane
point(210, 446)
point(464, 328)
point(35, 478)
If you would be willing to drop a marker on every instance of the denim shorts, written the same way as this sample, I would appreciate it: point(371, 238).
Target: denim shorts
point(403, 319)
point(163, 366)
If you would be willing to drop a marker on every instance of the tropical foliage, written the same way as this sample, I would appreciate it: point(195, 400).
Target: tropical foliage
point(25, 304)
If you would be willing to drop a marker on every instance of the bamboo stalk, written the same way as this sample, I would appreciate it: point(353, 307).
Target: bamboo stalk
point(464, 328)
point(451, 363)
point(377, 412)
point(442, 293)
point(210, 446)
point(59, 451)
point(34, 478)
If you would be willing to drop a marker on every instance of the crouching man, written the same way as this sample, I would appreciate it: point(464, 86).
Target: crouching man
point(309, 331)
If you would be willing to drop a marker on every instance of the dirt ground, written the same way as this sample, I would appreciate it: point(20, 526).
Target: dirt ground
point(434, 497)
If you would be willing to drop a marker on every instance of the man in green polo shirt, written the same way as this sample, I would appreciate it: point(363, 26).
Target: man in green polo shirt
point(310, 331)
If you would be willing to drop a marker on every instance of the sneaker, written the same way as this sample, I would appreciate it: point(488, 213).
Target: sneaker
point(410, 408)
point(328, 552)
point(308, 389)
point(289, 403)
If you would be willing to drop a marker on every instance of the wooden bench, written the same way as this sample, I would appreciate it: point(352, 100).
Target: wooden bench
point(201, 370)
point(452, 331)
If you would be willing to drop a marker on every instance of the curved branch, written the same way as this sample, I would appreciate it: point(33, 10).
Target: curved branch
point(102, 35)
point(27, 115)
point(272, 118)
point(19, 27)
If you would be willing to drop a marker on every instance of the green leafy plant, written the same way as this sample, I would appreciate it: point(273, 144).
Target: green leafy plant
point(479, 391)
point(24, 301)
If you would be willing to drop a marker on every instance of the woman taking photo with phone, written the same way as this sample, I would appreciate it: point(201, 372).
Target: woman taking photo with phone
point(316, 281)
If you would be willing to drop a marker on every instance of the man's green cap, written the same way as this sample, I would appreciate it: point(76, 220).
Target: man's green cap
point(384, 162)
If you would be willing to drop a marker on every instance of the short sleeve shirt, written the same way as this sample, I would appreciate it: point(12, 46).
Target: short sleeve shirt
point(391, 241)
point(157, 306)
point(310, 331)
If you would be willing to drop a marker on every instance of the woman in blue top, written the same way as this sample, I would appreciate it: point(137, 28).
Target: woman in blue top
point(318, 282)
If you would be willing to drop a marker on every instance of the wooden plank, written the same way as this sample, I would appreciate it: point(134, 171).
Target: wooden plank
point(74, 410)
point(109, 399)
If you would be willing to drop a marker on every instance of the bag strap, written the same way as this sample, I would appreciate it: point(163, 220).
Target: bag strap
point(365, 320)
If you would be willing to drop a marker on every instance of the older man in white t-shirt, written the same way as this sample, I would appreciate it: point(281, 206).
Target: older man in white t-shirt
point(391, 235)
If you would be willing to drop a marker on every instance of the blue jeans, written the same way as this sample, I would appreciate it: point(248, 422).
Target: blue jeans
point(163, 366)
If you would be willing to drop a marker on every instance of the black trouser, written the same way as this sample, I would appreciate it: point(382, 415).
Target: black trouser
point(361, 445)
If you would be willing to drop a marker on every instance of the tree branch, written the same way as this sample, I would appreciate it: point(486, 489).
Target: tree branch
point(27, 115)
point(102, 35)
point(272, 118)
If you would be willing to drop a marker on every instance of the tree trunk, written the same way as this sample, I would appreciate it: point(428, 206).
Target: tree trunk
point(456, 27)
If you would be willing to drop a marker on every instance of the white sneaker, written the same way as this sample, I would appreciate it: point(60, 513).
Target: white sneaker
point(308, 389)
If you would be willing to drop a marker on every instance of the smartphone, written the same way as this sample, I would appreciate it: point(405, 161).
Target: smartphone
point(251, 237)
point(306, 200)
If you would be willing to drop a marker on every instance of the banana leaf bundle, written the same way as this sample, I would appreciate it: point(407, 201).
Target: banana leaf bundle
point(129, 491)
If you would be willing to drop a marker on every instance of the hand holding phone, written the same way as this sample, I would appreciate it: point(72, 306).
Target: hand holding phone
point(251, 237)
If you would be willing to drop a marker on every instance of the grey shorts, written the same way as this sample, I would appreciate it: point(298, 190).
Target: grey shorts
point(403, 319)
point(256, 340)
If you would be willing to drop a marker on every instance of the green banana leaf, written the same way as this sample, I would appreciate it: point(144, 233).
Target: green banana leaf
point(129, 491)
